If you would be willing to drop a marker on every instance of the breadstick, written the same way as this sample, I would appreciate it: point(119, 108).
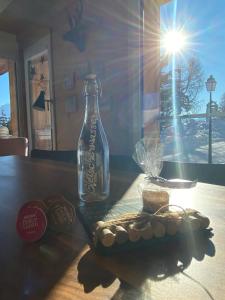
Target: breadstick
point(147, 231)
point(171, 227)
point(158, 229)
point(99, 225)
point(107, 237)
point(121, 234)
point(189, 223)
point(133, 233)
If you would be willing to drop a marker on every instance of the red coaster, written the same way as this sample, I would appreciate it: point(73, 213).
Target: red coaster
point(35, 203)
point(31, 223)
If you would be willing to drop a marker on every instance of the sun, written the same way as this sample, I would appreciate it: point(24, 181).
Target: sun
point(174, 41)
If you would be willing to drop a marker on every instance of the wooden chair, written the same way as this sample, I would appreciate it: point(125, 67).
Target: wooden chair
point(14, 146)
point(209, 173)
point(58, 155)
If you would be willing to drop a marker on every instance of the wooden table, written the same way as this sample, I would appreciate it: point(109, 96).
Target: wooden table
point(62, 267)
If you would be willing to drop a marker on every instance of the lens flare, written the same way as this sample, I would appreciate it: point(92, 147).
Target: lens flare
point(174, 41)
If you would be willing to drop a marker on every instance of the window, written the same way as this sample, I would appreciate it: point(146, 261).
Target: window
point(192, 49)
point(5, 115)
point(8, 103)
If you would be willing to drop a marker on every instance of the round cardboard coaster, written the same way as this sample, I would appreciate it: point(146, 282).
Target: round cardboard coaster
point(61, 213)
point(51, 199)
point(31, 223)
point(36, 203)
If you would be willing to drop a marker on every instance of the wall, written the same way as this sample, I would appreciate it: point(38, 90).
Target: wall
point(13, 98)
point(107, 47)
point(114, 47)
point(151, 97)
point(8, 45)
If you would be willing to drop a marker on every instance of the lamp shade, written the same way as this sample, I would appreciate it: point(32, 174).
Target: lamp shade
point(210, 84)
point(39, 104)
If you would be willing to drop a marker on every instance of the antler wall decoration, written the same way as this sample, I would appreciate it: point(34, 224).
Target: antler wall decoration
point(77, 32)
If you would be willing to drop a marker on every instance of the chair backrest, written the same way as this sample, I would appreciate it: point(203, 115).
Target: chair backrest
point(59, 155)
point(14, 146)
point(209, 173)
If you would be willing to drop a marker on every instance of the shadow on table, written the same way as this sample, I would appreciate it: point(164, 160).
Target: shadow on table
point(41, 265)
point(134, 268)
point(91, 275)
point(124, 197)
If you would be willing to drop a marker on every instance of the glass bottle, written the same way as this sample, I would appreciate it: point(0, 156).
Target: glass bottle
point(92, 150)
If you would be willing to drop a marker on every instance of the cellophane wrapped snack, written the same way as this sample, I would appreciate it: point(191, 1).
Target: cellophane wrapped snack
point(155, 190)
point(148, 155)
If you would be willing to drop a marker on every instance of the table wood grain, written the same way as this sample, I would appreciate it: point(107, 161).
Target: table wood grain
point(63, 267)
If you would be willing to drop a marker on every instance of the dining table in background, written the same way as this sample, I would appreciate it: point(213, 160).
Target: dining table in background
point(64, 267)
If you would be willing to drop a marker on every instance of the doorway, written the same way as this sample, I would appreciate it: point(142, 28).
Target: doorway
point(39, 96)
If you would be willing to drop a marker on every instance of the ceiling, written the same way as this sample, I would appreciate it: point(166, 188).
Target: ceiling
point(17, 15)
point(4, 4)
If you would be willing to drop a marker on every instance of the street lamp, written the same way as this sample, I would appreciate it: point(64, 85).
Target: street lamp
point(210, 86)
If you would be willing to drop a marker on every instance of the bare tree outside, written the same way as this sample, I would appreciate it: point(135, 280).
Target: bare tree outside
point(189, 84)
point(222, 103)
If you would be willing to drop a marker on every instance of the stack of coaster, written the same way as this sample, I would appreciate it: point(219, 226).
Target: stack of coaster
point(35, 217)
